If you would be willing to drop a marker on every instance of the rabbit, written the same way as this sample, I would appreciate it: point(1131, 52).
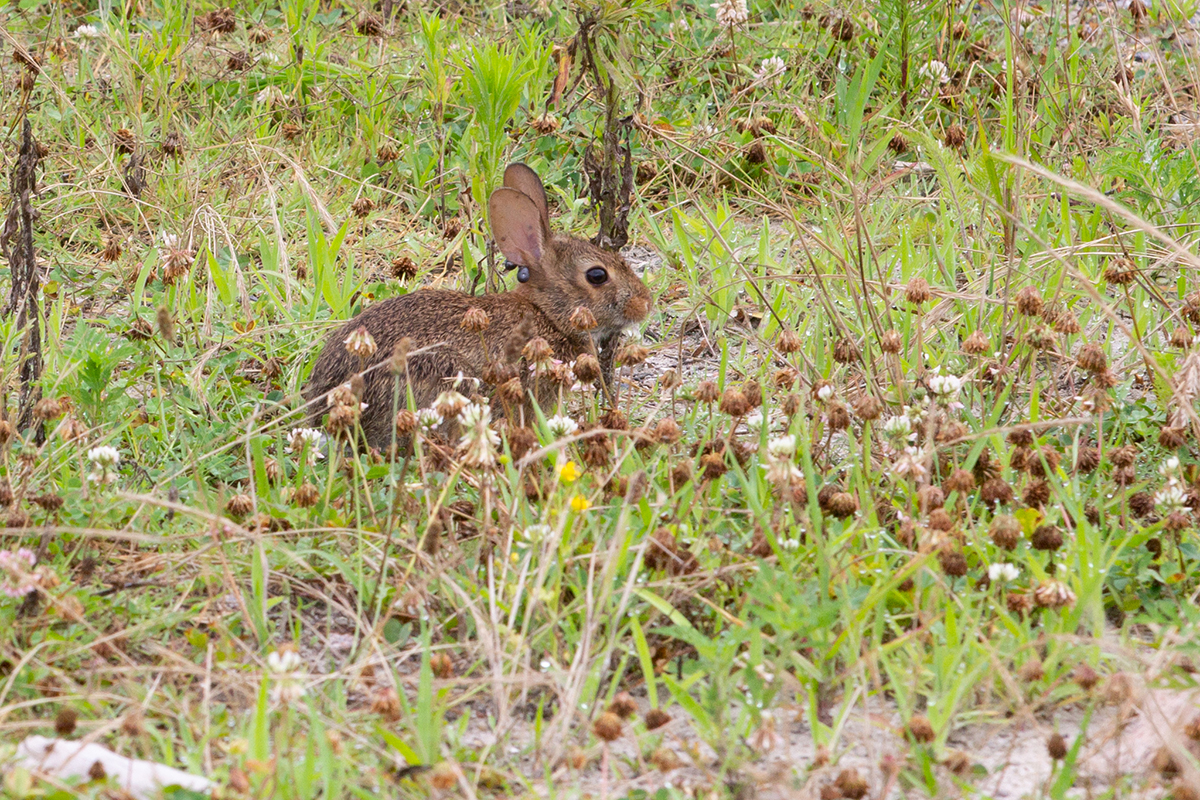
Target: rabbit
point(557, 274)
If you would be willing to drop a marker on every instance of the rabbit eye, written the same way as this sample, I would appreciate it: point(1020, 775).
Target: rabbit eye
point(597, 276)
point(523, 275)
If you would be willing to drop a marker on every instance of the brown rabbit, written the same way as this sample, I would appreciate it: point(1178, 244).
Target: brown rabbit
point(557, 275)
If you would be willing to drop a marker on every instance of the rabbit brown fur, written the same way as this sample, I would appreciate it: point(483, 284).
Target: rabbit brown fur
point(558, 275)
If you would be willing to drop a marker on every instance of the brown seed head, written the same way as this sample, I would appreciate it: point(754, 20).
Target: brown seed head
point(607, 726)
point(403, 268)
point(1056, 746)
point(929, 498)
point(1176, 522)
point(753, 393)
point(1036, 494)
point(47, 408)
point(655, 718)
point(582, 319)
point(1031, 671)
point(921, 729)
point(1123, 456)
point(623, 705)
point(842, 29)
point(306, 495)
point(111, 248)
point(370, 25)
point(1005, 531)
point(917, 291)
point(837, 417)
point(442, 665)
point(386, 153)
point(1046, 537)
point(1053, 594)
point(1067, 323)
point(587, 368)
point(898, 144)
point(955, 137)
point(792, 404)
point(845, 351)
point(124, 141)
point(1085, 676)
point(1029, 302)
point(1181, 338)
point(867, 407)
point(940, 520)
point(734, 403)
point(65, 721)
point(996, 491)
point(843, 505)
point(891, 341)
point(960, 481)
point(707, 392)
point(538, 351)
point(952, 561)
point(240, 505)
point(789, 342)
point(1172, 438)
point(712, 466)
point(975, 344)
point(667, 431)
point(475, 320)
point(1091, 357)
point(632, 354)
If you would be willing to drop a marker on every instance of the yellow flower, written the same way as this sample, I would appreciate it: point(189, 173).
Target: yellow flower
point(579, 504)
point(568, 472)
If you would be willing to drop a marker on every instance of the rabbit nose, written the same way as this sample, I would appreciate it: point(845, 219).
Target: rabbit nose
point(637, 307)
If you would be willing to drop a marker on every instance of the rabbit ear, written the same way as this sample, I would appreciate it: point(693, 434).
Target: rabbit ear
point(516, 226)
point(526, 181)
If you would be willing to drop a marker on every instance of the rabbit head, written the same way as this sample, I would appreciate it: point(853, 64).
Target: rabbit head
point(558, 274)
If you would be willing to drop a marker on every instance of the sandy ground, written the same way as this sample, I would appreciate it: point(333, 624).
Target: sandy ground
point(1119, 756)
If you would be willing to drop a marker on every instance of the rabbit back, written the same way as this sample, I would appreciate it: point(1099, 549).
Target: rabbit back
point(432, 320)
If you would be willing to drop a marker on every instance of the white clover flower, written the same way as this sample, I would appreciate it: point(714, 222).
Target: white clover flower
point(1169, 467)
point(826, 392)
point(104, 460)
point(104, 456)
point(536, 533)
point(270, 96)
point(561, 425)
point(947, 386)
point(17, 577)
point(731, 13)
point(782, 472)
point(910, 465)
point(428, 419)
point(475, 414)
point(479, 441)
point(936, 71)
point(450, 403)
point(899, 427)
point(1171, 498)
point(1003, 572)
point(307, 441)
point(287, 673)
point(782, 446)
point(754, 419)
point(791, 545)
point(677, 27)
point(770, 69)
point(269, 57)
point(87, 32)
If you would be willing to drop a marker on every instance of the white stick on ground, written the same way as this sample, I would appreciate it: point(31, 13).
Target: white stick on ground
point(65, 759)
